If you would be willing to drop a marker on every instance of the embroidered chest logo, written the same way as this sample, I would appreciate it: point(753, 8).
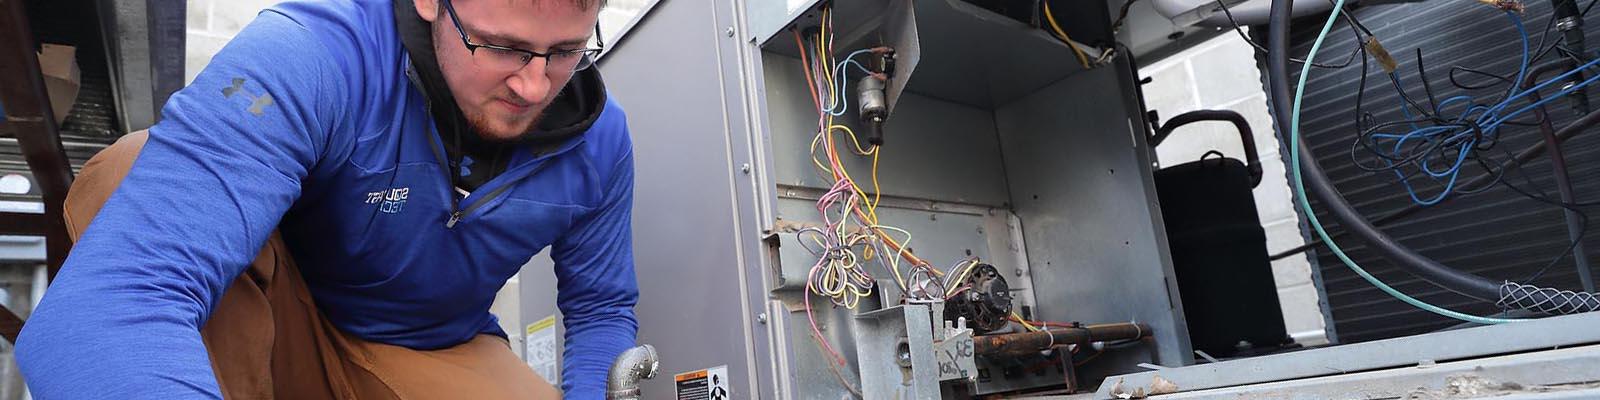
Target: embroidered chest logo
point(391, 201)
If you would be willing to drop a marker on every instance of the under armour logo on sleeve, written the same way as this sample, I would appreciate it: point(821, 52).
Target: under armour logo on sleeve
point(258, 104)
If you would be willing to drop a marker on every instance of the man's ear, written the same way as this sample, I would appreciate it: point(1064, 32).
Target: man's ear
point(427, 9)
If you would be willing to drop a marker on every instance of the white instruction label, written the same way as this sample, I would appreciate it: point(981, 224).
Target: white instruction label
point(706, 384)
point(541, 352)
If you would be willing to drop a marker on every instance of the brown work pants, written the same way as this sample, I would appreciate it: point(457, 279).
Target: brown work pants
point(267, 339)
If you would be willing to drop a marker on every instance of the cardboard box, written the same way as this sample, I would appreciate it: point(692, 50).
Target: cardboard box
point(59, 64)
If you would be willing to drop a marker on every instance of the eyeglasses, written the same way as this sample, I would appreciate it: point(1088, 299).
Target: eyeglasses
point(506, 59)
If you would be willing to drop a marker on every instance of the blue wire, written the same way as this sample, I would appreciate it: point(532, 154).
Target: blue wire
point(1446, 103)
point(1305, 202)
point(1486, 118)
point(841, 103)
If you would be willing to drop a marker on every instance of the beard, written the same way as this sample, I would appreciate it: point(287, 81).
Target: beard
point(482, 126)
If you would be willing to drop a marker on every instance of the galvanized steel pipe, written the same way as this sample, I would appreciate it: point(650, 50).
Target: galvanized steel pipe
point(634, 365)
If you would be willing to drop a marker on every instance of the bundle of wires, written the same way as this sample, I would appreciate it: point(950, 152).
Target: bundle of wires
point(956, 279)
point(1444, 135)
point(1480, 119)
point(851, 235)
point(1091, 57)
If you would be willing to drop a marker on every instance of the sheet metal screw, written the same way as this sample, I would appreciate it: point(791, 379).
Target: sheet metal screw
point(745, 168)
point(730, 31)
point(762, 318)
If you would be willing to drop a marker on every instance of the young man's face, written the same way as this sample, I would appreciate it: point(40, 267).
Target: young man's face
point(501, 103)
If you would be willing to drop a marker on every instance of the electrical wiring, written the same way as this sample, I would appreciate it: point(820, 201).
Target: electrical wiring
point(958, 273)
point(1122, 16)
point(1439, 145)
point(841, 105)
point(850, 237)
point(1240, 30)
point(811, 85)
point(1018, 319)
point(1574, 242)
point(1305, 202)
point(1076, 51)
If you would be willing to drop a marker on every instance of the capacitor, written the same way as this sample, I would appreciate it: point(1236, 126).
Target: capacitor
point(874, 106)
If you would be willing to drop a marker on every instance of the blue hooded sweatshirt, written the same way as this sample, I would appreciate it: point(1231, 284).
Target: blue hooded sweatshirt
point(309, 122)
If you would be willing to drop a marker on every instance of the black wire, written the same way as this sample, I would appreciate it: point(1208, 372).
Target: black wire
point(1422, 75)
point(1499, 175)
point(1455, 81)
point(1122, 16)
point(1586, 9)
point(1544, 198)
point(1319, 185)
point(1263, 49)
point(1475, 152)
point(1395, 163)
point(1549, 25)
point(1395, 79)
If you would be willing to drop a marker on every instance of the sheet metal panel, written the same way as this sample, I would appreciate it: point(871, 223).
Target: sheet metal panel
point(1080, 176)
point(933, 149)
point(694, 226)
point(1566, 331)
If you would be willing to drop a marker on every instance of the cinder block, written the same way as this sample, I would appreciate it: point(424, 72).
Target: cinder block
point(1229, 71)
point(197, 51)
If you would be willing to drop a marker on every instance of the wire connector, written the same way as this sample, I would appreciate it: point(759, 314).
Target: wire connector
point(1506, 5)
point(1381, 54)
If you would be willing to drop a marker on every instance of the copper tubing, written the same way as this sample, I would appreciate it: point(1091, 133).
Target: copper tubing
point(1023, 343)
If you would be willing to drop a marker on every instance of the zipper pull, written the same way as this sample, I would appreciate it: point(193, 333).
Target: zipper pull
point(455, 217)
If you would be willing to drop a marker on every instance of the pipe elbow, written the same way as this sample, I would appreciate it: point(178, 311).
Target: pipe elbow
point(631, 367)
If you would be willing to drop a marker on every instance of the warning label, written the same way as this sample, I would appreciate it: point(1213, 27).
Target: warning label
point(706, 384)
point(541, 352)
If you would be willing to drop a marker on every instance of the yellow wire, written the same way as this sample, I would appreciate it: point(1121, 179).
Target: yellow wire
point(894, 262)
point(969, 266)
point(1024, 323)
point(877, 193)
point(872, 206)
point(1082, 59)
point(814, 160)
point(837, 276)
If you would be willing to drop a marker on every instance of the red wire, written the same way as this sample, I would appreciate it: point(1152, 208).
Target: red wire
point(807, 64)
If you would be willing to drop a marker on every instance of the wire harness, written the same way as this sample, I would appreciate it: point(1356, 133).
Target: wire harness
point(1508, 294)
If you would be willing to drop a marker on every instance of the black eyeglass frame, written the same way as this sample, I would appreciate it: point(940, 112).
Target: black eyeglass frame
point(588, 54)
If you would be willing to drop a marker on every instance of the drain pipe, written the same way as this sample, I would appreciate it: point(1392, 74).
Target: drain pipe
point(634, 365)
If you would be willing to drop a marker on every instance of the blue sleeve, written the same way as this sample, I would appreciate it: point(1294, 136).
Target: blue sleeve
point(122, 319)
point(596, 289)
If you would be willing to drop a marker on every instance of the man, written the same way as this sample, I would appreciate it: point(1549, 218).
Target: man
point(413, 156)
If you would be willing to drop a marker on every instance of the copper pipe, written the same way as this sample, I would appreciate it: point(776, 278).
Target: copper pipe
point(1024, 343)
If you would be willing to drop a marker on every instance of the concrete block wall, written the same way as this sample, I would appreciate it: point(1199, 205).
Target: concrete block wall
point(1221, 74)
point(211, 24)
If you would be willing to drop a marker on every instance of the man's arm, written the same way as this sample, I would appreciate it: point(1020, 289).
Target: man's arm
point(596, 289)
point(123, 318)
